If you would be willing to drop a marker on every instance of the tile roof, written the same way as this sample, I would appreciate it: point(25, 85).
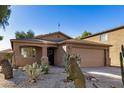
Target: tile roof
point(52, 34)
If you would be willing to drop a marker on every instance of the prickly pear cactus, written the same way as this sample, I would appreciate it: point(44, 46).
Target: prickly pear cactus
point(121, 63)
point(6, 69)
point(74, 72)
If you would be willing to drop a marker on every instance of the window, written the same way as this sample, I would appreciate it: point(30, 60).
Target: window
point(28, 52)
point(104, 37)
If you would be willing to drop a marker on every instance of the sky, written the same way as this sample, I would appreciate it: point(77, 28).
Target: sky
point(74, 20)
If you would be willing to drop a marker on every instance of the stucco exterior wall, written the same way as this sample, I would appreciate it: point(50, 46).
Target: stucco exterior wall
point(1, 56)
point(116, 39)
point(94, 38)
point(59, 55)
point(19, 60)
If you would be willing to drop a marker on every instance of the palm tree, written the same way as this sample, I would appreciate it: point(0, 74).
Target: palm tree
point(4, 15)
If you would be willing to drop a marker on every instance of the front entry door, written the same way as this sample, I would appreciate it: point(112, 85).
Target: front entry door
point(50, 53)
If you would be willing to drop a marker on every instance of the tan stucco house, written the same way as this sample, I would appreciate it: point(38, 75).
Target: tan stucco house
point(114, 37)
point(54, 46)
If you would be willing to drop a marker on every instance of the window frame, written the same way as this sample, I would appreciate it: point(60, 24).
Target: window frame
point(104, 37)
point(33, 55)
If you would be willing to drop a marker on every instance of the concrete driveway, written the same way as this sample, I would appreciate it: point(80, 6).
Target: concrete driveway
point(113, 72)
point(108, 76)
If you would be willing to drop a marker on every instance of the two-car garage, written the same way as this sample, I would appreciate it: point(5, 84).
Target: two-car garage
point(90, 57)
point(92, 54)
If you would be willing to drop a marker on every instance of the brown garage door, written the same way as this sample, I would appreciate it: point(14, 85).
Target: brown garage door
point(90, 57)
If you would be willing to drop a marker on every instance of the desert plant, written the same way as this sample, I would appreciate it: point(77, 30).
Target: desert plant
point(8, 56)
point(67, 58)
point(73, 70)
point(121, 63)
point(44, 64)
point(33, 71)
point(6, 69)
point(45, 68)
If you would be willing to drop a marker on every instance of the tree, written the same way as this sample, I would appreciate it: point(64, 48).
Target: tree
point(20, 35)
point(30, 34)
point(23, 35)
point(1, 37)
point(5, 12)
point(84, 34)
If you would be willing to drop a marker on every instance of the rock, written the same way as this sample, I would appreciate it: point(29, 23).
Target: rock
point(95, 85)
point(92, 78)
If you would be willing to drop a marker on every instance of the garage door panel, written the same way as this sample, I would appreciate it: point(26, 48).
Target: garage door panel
point(90, 57)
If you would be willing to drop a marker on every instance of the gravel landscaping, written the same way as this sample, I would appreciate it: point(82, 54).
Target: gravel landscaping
point(55, 79)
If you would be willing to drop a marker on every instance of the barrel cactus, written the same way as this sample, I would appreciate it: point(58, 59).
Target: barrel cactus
point(6, 69)
point(121, 63)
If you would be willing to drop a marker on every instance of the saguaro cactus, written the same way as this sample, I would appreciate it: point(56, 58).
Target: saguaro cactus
point(121, 63)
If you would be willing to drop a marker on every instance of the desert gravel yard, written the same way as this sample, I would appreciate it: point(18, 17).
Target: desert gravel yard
point(104, 77)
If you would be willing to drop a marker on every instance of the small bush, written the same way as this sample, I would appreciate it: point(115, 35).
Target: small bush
point(45, 68)
point(44, 65)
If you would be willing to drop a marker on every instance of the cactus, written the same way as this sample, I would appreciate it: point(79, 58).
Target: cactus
point(44, 64)
point(121, 63)
point(33, 70)
point(8, 56)
point(73, 70)
point(6, 69)
point(45, 68)
point(67, 58)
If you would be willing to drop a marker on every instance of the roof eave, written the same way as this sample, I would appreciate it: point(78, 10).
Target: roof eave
point(81, 43)
point(106, 31)
point(47, 42)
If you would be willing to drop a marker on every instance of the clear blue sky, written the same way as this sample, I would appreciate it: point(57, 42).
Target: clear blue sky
point(73, 19)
